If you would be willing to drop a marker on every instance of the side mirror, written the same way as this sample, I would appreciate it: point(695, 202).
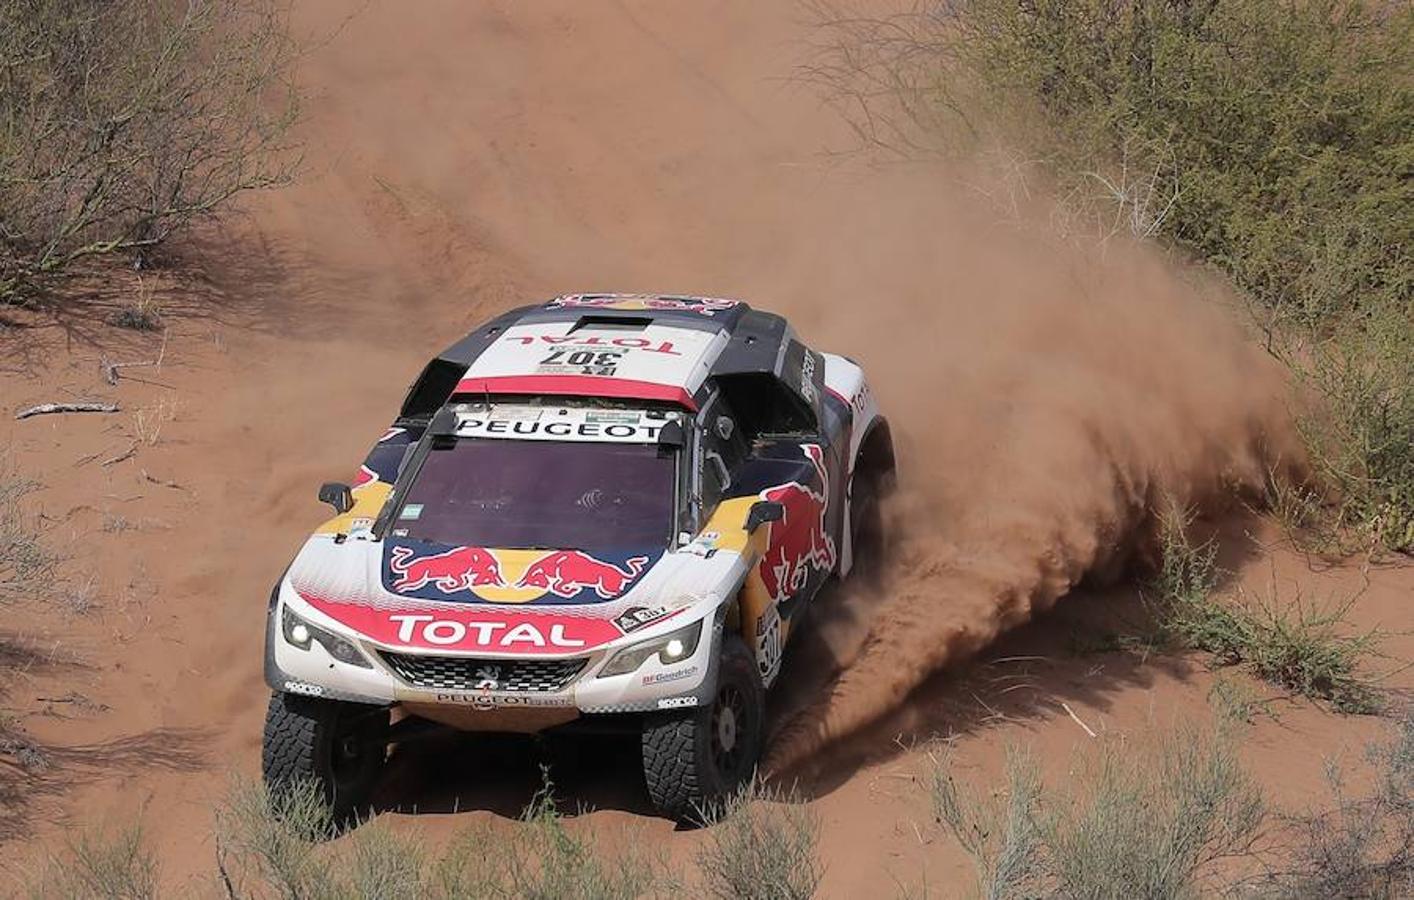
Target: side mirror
point(763, 511)
point(337, 495)
point(671, 437)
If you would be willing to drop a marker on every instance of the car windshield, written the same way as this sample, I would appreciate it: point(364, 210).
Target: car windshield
point(486, 492)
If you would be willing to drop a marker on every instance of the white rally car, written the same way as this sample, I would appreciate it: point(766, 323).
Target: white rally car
point(607, 507)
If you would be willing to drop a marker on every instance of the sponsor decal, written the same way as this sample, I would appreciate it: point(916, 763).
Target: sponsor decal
point(636, 617)
point(662, 677)
point(572, 361)
point(488, 701)
point(799, 543)
point(705, 306)
point(300, 687)
point(588, 343)
point(676, 702)
point(807, 377)
point(484, 630)
point(768, 644)
point(641, 431)
point(481, 574)
point(704, 545)
point(425, 629)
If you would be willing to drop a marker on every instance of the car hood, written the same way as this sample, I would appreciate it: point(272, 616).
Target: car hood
point(402, 593)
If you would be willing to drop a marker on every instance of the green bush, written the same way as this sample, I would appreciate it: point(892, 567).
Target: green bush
point(123, 122)
point(1308, 650)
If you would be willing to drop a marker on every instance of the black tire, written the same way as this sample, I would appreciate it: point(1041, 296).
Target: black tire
point(866, 522)
point(339, 747)
point(694, 758)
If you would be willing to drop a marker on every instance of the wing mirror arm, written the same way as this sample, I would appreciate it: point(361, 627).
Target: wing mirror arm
point(763, 511)
point(337, 495)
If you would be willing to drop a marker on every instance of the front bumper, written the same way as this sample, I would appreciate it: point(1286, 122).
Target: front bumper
point(421, 680)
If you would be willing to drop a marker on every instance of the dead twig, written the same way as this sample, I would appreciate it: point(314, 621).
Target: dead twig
point(110, 369)
point(45, 409)
point(1076, 719)
point(170, 484)
point(127, 454)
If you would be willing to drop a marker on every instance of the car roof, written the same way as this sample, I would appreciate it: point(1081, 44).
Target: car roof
point(642, 346)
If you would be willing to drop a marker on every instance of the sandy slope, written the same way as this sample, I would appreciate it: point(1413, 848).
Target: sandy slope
point(462, 158)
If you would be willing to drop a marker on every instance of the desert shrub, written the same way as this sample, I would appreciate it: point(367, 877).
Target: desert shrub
point(1272, 140)
point(1003, 839)
point(123, 122)
point(1305, 648)
point(271, 839)
point(25, 562)
point(276, 845)
point(546, 861)
point(1361, 429)
point(1136, 821)
point(761, 844)
point(117, 866)
point(1360, 846)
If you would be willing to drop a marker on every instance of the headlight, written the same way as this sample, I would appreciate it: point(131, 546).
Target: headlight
point(299, 633)
point(672, 647)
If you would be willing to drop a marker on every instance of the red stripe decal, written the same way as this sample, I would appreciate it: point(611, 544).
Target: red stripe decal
point(577, 386)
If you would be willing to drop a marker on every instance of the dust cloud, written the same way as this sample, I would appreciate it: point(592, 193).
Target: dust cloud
point(1044, 393)
point(1047, 397)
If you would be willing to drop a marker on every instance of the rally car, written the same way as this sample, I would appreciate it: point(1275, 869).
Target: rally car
point(608, 510)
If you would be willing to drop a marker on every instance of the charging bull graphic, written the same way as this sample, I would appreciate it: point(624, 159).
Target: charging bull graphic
point(458, 569)
point(492, 575)
point(798, 544)
point(568, 572)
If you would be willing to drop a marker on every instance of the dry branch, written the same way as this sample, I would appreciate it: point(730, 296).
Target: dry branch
point(45, 409)
point(110, 369)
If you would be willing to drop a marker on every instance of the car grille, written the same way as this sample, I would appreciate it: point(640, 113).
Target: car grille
point(459, 673)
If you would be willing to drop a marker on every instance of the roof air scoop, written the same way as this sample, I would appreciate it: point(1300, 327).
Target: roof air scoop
point(612, 323)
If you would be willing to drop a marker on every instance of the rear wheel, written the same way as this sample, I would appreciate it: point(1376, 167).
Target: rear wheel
point(694, 758)
point(337, 747)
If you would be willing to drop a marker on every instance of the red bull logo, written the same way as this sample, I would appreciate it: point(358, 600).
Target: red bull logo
point(510, 576)
point(799, 543)
point(568, 572)
point(458, 569)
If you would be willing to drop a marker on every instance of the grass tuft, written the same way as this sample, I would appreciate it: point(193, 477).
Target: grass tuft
point(26, 564)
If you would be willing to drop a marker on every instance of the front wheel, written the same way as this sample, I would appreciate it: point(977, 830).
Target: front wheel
point(694, 758)
point(337, 747)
